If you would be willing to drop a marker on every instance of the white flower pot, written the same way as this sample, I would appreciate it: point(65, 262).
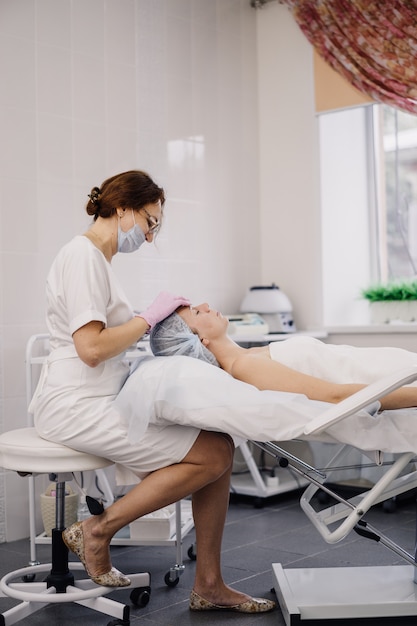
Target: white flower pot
point(390, 311)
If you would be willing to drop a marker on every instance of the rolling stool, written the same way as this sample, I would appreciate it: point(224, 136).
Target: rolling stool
point(24, 451)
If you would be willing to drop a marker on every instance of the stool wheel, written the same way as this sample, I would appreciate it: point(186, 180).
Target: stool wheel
point(28, 578)
point(140, 596)
point(192, 553)
point(171, 582)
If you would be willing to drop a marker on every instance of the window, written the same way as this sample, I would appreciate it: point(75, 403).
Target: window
point(368, 165)
point(398, 203)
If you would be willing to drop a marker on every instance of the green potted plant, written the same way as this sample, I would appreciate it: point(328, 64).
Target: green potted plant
point(391, 302)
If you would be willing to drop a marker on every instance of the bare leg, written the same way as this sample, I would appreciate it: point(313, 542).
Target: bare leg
point(204, 472)
point(210, 506)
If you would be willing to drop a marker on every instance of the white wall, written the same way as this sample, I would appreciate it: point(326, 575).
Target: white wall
point(91, 89)
point(289, 166)
point(214, 98)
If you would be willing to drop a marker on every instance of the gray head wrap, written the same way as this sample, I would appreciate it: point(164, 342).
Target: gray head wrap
point(173, 336)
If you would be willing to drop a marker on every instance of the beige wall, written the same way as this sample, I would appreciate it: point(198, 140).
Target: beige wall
point(332, 91)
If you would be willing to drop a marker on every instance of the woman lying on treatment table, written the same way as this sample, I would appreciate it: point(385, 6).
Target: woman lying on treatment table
point(299, 364)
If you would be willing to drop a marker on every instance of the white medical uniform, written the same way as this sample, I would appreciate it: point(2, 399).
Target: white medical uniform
point(340, 363)
point(74, 404)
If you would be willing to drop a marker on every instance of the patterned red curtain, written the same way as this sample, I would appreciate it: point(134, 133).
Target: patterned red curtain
point(372, 43)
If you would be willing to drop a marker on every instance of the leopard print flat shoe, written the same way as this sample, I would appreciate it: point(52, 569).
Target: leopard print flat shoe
point(253, 605)
point(73, 538)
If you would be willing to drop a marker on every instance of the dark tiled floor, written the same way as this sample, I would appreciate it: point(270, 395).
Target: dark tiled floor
point(254, 539)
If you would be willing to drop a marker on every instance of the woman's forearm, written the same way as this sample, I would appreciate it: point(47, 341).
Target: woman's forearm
point(95, 343)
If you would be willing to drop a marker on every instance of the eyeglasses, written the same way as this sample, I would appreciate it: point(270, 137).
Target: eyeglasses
point(153, 223)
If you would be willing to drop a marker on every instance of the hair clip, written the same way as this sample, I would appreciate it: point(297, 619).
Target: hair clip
point(94, 195)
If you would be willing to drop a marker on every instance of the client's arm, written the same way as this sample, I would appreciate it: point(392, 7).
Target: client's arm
point(268, 374)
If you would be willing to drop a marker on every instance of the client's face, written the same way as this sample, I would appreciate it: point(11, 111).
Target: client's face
point(206, 322)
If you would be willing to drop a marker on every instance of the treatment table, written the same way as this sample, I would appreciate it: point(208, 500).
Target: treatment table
point(184, 390)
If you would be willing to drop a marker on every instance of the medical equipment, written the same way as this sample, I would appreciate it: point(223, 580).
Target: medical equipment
point(183, 390)
point(333, 595)
point(250, 477)
point(247, 324)
point(340, 595)
point(273, 305)
point(260, 476)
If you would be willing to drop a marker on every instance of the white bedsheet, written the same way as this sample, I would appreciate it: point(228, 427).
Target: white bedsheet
point(184, 390)
point(340, 363)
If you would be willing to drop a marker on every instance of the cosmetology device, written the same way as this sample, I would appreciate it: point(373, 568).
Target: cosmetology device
point(247, 324)
point(273, 305)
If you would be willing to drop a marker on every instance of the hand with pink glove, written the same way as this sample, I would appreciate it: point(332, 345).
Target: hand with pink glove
point(163, 305)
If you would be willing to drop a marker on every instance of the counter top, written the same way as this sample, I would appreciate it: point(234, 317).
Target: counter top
point(255, 338)
point(372, 329)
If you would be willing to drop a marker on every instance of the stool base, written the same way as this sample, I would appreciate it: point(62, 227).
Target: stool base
point(36, 595)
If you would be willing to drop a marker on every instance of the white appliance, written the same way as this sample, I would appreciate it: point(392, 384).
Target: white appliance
point(247, 324)
point(273, 305)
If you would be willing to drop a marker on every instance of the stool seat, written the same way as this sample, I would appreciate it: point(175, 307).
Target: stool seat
point(24, 451)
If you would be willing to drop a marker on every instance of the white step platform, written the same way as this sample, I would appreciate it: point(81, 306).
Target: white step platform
point(379, 595)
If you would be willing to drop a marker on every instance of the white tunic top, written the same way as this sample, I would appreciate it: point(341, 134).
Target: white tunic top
point(81, 287)
point(74, 404)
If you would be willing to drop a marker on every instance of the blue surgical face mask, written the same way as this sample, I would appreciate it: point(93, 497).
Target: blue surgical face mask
point(131, 240)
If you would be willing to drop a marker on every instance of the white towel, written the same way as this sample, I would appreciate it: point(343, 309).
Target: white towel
point(184, 390)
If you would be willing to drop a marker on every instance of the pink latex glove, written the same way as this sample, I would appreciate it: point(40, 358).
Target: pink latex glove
point(163, 305)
